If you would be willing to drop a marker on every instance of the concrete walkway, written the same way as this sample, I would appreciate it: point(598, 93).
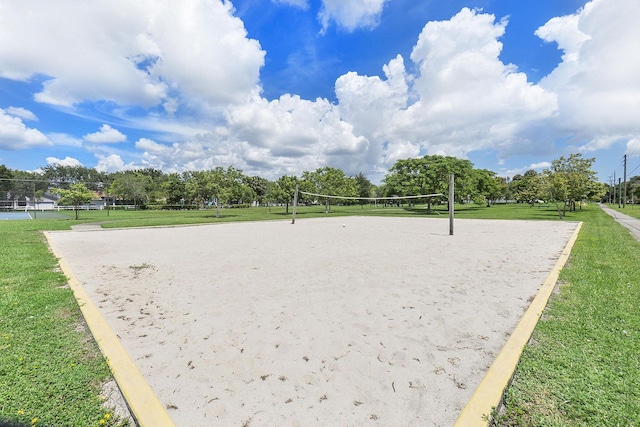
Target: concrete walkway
point(631, 223)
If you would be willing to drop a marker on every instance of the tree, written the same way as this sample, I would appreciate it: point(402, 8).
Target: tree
point(429, 175)
point(330, 181)
point(365, 187)
point(529, 187)
point(174, 189)
point(283, 190)
point(484, 186)
point(130, 186)
point(634, 187)
point(218, 185)
point(63, 176)
point(260, 186)
point(155, 179)
point(572, 180)
point(76, 195)
point(5, 182)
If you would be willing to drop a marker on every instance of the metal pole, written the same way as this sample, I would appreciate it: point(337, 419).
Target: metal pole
point(624, 193)
point(295, 205)
point(451, 180)
point(619, 192)
point(614, 186)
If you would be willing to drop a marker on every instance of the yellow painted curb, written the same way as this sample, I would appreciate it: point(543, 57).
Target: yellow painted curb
point(489, 392)
point(144, 405)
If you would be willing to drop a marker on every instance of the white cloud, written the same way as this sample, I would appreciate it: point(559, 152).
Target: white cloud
point(463, 98)
point(111, 163)
point(67, 161)
point(296, 134)
point(467, 98)
point(351, 15)
point(15, 135)
point(192, 66)
point(541, 165)
point(23, 113)
point(162, 52)
point(633, 147)
point(597, 82)
point(106, 135)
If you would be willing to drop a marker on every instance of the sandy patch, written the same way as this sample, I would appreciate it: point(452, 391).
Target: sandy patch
point(328, 322)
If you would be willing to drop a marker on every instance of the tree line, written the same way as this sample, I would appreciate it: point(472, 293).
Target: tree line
point(567, 182)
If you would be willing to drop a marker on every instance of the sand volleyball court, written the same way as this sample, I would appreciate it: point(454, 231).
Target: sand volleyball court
point(353, 321)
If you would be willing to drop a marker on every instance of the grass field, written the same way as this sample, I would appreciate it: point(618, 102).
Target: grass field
point(581, 368)
point(631, 210)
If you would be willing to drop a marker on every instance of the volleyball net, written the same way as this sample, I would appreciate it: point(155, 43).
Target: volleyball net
point(393, 199)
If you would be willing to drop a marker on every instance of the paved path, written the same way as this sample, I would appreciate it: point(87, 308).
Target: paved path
point(631, 223)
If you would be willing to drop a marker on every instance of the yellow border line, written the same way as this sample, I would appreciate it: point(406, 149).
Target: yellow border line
point(145, 406)
point(490, 390)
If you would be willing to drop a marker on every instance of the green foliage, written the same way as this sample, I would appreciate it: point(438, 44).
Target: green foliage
point(430, 175)
point(5, 184)
point(260, 187)
point(77, 195)
point(328, 181)
point(174, 189)
point(365, 187)
point(529, 187)
point(571, 180)
point(218, 185)
point(130, 186)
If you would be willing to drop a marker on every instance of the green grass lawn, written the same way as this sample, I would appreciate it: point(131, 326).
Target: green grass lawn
point(581, 368)
point(146, 218)
point(582, 365)
point(51, 370)
point(631, 210)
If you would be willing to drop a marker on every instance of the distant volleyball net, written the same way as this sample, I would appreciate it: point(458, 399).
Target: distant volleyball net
point(394, 199)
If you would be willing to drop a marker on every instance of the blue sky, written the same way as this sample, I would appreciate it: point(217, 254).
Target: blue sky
point(277, 87)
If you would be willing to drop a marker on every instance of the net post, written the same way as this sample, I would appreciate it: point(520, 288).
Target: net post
point(295, 205)
point(451, 180)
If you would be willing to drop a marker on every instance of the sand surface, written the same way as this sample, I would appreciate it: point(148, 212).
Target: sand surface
point(351, 321)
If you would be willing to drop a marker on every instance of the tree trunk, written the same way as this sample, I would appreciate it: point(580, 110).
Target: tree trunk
point(217, 207)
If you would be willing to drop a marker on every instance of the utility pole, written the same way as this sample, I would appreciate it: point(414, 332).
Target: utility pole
point(614, 186)
point(610, 185)
point(619, 192)
point(624, 197)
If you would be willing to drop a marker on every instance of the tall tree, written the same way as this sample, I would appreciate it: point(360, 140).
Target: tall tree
point(484, 186)
point(529, 187)
point(429, 175)
point(365, 187)
point(6, 184)
point(174, 189)
point(130, 186)
point(331, 182)
point(571, 180)
point(62, 176)
point(259, 185)
point(283, 190)
point(78, 194)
